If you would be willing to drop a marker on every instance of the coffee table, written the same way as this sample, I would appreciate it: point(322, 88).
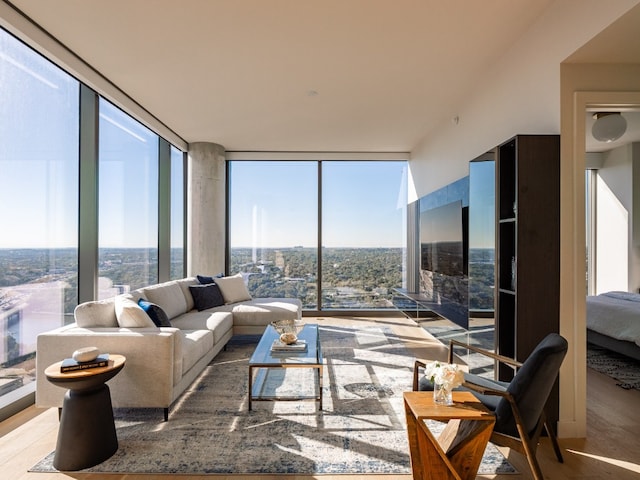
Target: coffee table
point(263, 360)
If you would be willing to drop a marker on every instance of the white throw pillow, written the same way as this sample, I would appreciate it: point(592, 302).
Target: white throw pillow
point(130, 314)
point(168, 296)
point(100, 313)
point(233, 289)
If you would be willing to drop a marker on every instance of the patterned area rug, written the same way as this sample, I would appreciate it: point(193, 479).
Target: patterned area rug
point(362, 429)
point(625, 370)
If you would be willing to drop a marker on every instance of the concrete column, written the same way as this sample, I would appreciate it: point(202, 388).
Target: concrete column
point(206, 209)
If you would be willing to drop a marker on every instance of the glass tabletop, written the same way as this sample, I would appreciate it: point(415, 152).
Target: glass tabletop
point(263, 356)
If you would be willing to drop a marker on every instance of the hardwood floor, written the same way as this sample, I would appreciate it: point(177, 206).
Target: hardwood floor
point(609, 451)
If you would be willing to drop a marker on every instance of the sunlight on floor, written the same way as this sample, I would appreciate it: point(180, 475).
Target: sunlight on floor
point(633, 467)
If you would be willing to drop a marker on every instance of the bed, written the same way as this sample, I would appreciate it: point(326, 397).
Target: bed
point(613, 322)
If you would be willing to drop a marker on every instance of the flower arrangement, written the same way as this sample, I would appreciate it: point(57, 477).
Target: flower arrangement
point(445, 377)
point(447, 374)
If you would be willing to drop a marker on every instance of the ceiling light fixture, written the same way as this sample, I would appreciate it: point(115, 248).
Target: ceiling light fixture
point(609, 126)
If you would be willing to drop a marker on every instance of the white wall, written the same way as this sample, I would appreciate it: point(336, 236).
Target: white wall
point(519, 95)
point(523, 94)
point(614, 197)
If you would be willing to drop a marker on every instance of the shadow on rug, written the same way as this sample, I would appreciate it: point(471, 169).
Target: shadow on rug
point(361, 430)
point(625, 370)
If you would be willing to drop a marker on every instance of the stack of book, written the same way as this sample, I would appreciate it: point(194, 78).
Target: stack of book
point(71, 365)
point(299, 346)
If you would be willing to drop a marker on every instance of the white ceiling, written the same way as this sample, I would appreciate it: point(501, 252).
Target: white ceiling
point(305, 75)
point(292, 75)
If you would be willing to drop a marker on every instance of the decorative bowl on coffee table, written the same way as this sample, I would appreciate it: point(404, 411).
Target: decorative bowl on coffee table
point(288, 330)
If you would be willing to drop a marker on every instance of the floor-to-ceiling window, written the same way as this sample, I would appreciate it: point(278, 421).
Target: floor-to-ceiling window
point(363, 233)
point(177, 214)
point(302, 227)
point(128, 203)
point(274, 228)
point(38, 205)
point(481, 236)
point(42, 260)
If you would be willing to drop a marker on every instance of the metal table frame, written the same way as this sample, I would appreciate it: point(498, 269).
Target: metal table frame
point(264, 359)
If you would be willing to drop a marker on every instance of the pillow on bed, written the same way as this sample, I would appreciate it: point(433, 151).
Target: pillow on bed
point(632, 297)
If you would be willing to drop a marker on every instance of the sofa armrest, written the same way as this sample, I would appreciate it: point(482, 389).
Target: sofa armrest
point(153, 362)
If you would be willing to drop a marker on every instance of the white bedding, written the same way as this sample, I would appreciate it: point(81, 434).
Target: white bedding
point(615, 314)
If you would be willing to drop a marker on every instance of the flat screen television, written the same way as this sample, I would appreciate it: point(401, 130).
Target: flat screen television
point(444, 261)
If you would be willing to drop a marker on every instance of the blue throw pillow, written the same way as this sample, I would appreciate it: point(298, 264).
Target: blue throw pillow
point(206, 296)
point(204, 280)
point(155, 312)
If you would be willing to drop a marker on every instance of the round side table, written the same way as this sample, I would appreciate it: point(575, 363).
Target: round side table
point(87, 433)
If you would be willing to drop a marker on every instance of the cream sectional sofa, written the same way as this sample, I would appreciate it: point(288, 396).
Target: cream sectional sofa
point(162, 361)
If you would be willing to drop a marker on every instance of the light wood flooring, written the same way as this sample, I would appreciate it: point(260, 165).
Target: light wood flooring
point(611, 449)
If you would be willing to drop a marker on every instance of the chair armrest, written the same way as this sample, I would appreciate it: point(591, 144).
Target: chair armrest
point(485, 390)
point(500, 358)
point(416, 375)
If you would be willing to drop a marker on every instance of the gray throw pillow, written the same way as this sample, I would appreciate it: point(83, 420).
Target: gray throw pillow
point(206, 296)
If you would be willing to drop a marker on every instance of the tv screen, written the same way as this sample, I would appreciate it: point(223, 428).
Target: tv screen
point(443, 261)
point(442, 240)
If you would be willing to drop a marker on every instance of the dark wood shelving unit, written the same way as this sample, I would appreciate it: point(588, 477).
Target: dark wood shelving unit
point(527, 247)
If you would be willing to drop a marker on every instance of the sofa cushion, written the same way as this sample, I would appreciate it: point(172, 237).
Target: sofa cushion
point(130, 314)
point(156, 313)
point(169, 296)
point(184, 285)
point(100, 314)
point(206, 296)
point(233, 288)
point(195, 345)
point(218, 322)
point(262, 311)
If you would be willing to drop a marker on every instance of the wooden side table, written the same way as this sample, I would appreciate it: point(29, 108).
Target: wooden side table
point(87, 433)
point(457, 452)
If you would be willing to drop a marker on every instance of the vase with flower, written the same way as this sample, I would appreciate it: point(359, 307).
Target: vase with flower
point(445, 377)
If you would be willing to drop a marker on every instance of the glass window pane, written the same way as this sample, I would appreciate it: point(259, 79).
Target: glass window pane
point(177, 214)
point(481, 235)
point(128, 203)
point(39, 118)
point(363, 233)
point(273, 228)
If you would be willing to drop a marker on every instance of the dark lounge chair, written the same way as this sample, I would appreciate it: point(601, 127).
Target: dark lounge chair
point(518, 404)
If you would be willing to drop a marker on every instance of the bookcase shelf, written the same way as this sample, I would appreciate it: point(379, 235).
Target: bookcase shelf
point(527, 247)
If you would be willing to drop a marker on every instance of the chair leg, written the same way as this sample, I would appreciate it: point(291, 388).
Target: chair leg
point(529, 443)
point(530, 453)
point(554, 441)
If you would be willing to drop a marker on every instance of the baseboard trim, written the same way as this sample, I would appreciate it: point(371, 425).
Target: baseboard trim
point(571, 430)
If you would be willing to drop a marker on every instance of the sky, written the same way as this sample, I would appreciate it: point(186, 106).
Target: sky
point(482, 199)
point(274, 204)
point(39, 173)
